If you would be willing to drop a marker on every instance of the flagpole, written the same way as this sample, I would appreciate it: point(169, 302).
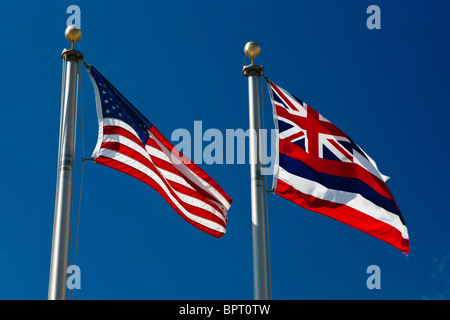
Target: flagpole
point(260, 279)
point(57, 289)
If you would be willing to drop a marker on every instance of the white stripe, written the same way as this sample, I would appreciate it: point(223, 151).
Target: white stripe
point(135, 164)
point(138, 148)
point(167, 156)
point(157, 153)
point(289, 132)
point(125, 141)
point(302, 110)
point(353, 200)
point(322, 118)
point(112, 154)
point(98, 105)
point(368, 164)
point(119, 123)
point(295, 129)
point(324, 139)
point(277, 130)
point(162, 156)
point(299, 138)
point(171, 177)
point(292, 123)
point(301, 113)
point(191, 175)
point(167, 174)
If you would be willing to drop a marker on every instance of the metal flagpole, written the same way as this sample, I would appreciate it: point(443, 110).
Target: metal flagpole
point(260, 280)
point(57, 289)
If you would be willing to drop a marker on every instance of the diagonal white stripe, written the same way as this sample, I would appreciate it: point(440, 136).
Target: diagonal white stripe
point(138, 148)
point(353, 200)
point(191, 175)
point(301, 109)
point(125, 141)
point(112, 154)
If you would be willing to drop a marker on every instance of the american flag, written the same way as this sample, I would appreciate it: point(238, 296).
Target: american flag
point(321, 169)
point(130, 143)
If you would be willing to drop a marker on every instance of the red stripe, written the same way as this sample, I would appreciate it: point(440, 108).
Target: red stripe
point(123, 132)
point(188, 163)
point(336, 168)
point(296, 136)
point(341, 149)
point(282, 96)
point(137, 174)
point(173, 169)
point(170, 184)
point(167, 166)
point(204, 196)
point(345, 214)
point(320, 126)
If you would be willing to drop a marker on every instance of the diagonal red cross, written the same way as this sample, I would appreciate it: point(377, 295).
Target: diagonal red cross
point(313, 126)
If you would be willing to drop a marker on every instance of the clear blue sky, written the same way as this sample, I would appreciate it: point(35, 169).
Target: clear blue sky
point(180, 62)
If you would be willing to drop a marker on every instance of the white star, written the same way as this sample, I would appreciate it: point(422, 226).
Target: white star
point(106, 101)
point(107, 111)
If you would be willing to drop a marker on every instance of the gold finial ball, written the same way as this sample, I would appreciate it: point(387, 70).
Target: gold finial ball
point(73, 33)
point(252, 49)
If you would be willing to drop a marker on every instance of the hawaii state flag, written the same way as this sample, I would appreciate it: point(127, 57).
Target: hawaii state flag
point(321, 169)
point(130, 143)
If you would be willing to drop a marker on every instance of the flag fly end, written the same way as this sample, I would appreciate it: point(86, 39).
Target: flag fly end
point(322, 169)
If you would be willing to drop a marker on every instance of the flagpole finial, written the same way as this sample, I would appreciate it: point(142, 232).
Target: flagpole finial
point(252, 50)
point(73, 34)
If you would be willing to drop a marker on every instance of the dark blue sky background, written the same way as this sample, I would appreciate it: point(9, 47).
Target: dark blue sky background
point(180, 62)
